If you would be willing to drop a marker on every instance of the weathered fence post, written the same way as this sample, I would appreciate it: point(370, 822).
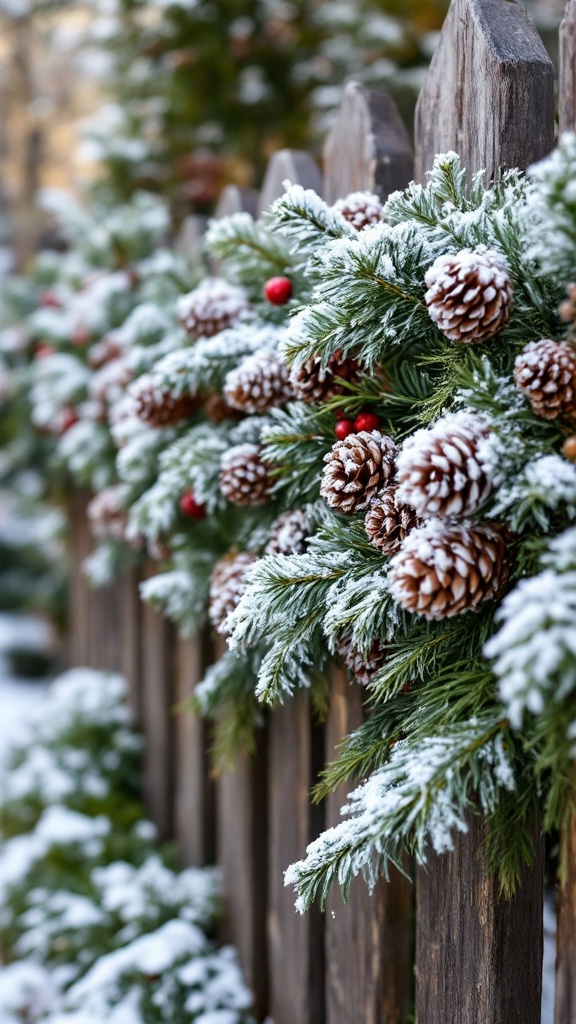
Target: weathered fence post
point(567, 71)
point(368, 940)
point(489, 93)
point(489, 96)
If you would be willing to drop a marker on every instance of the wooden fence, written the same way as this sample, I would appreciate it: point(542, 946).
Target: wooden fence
point(489, 95)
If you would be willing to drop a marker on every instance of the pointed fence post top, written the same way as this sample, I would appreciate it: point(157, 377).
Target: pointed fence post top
point(368, 149)
point(489, 93)
point(234, 199)
point(293, 164)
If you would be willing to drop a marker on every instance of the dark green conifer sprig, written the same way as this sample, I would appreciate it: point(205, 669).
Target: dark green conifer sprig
point(251, 252)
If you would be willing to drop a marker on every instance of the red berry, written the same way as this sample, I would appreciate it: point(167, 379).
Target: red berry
point(190, 507)
point(68, 416)
point(278, 290)
point(49, 299)
point(343, 428)
point(366, 421)
point(42, 351)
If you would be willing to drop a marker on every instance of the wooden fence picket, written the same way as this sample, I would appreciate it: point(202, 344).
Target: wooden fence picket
point(567, 70)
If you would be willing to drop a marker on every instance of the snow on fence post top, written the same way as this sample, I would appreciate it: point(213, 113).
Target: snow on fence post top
point(567, 73)
point(368, 149)
point(293, 164)
point(489, 93)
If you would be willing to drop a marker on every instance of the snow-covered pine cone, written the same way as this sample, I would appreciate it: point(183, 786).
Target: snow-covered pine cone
point(360, 209)
point(443, 569)
point(313, 382)
point(104, 351)
point(441, 472)
point(160, 408)
point(545, 371)
point(388, 521)
point(217, 408)
point(567, 308)
point(356, 469)
point(469, 295)
point(244, 477)
point(211, 307)
point(289, 533)
point(363, 666)
point(107, 513)
point(227, 584)
point(260, 382)
point(110, 381)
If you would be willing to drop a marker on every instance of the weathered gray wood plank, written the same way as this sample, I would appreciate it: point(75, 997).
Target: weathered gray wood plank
point(565, 992)
point(478, 956)
point(368, 149)
point(489, 92)
point(288, 164)
point(194, 785)
point(296, 946)
point(567, 70)
point(368, 939)
point(234, 199)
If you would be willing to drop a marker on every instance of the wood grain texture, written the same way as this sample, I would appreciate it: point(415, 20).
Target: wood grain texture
point(368, 148)
point(293, 165)
point(567, 70)
point(368, 939)
point(296, 944)
point(194, 785)
point(489, 92)
point(478, 956)
point(158, 697)
point(242, 841)
point(237, 200)
point(127, 588)
point(565, 992)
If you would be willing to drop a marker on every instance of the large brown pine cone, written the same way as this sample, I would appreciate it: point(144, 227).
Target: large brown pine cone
point(361, 209)
point(441, 471)
point(388, 521)
point(356, 469)
point(227, 584)
point(545, 371)
point(363, 666)
point(244, 477)
point(469, 295)
point(260, 382)
point(289, 533)
point(444, 570)
point(159, 408)
point(313, 382)
point(211, 307)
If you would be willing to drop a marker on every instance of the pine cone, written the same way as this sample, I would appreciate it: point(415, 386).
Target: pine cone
point(567, 309)
point(289, 533)
point(360, 209)
point(469, 295)
point(363, 666)
point(227, 584)
point(211, 307)
point(217, 409)
point(388, 521)
point(313, 382)
point(159, 408)
point(107, 513)
point(444, 570)
point(260, 382)
point(356, 469)
point(244, 478)
point(105, 351)
point(545, 371)
point(441, 471)
point(110, 381)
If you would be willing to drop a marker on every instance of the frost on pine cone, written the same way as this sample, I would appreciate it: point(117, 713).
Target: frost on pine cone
point(107, 513)
point(313, 382)
point(289, 533)
point(469, 295)
point(363, 666)
point(444, 570)
point(441, 471)
point(244, 477)
point(211, 307)
point(545, 371)
point(227, 584)
point(260, 382)
point(360, 209)
point(159, 408)
point(356, 469)
point(388, 521)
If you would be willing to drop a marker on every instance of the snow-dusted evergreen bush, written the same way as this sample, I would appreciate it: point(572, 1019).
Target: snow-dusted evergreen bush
point(94, 922)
